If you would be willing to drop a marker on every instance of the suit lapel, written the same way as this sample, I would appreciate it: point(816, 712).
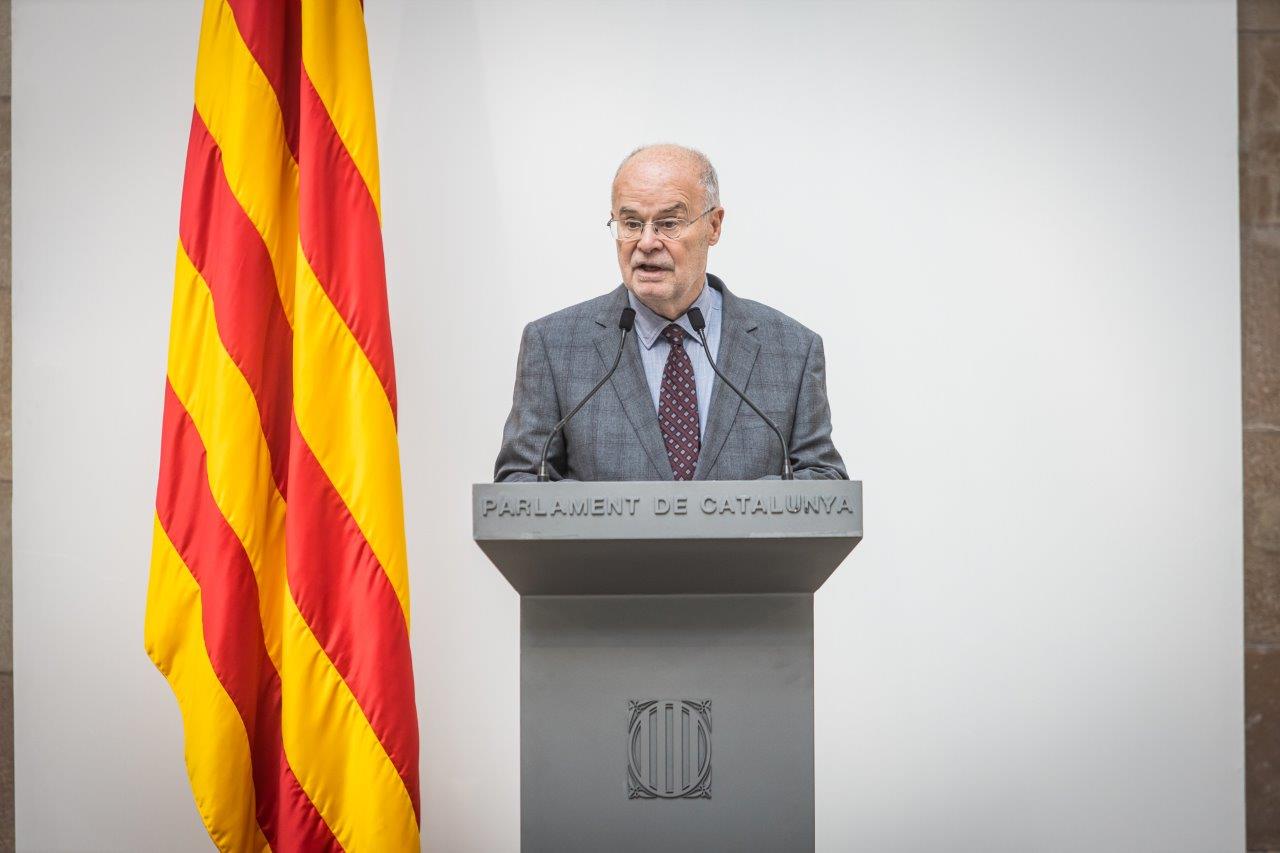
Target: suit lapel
point(736, 359)
point(631, 386)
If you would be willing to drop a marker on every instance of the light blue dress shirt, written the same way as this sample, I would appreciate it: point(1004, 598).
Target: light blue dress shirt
point(654, 348)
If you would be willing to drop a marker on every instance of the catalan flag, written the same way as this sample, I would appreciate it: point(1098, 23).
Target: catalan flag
point(278, 605)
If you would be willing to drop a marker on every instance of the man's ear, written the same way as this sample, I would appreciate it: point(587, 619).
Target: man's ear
point(716, 218)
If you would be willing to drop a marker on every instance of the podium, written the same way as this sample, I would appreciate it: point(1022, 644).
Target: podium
point(666, 656)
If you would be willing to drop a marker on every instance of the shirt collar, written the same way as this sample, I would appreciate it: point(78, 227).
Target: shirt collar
point(649, 324)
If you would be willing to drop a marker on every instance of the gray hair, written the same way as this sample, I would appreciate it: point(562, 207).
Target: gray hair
point(707, 173)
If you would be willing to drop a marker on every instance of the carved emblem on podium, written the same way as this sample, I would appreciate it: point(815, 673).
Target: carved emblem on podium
point(669, 749)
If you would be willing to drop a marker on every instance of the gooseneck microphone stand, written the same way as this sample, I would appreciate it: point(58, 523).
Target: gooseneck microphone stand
point(699, 325)
point(625, 323)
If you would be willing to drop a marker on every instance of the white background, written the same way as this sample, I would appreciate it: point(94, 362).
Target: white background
point(1014, 224)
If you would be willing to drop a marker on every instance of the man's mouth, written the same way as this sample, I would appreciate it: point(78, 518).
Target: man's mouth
point(651, 268)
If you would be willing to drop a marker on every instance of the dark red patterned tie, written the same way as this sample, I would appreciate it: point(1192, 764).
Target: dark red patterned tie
point(678, 407)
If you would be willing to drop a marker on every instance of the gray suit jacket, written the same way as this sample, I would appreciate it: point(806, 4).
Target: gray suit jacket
point(776, 361)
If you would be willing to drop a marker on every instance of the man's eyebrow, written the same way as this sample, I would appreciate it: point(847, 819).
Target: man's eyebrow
point(678, 207)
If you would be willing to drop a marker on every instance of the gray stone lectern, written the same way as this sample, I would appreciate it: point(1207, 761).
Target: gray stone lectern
point(666, 657)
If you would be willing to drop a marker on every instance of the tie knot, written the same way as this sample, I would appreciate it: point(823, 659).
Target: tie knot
point(675, 334)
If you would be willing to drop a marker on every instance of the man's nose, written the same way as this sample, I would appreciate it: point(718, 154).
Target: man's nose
point(649, 241)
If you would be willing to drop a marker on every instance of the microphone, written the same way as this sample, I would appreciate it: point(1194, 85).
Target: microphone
point(625, 323)
point(699, 325)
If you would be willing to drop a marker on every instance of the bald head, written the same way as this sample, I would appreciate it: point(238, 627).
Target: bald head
point(668, 198)
point(667, 156)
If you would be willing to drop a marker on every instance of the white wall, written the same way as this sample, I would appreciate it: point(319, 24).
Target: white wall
point(1015, 226)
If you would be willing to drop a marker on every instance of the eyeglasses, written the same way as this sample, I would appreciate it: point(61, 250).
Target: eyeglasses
point(670, 227)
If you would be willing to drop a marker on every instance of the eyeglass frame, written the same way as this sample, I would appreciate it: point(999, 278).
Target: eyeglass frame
point(644, 227)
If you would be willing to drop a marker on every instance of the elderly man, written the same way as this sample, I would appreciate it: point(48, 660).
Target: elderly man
point(667, 416)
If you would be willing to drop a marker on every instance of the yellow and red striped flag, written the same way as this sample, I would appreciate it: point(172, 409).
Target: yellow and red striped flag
point(278, 607)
